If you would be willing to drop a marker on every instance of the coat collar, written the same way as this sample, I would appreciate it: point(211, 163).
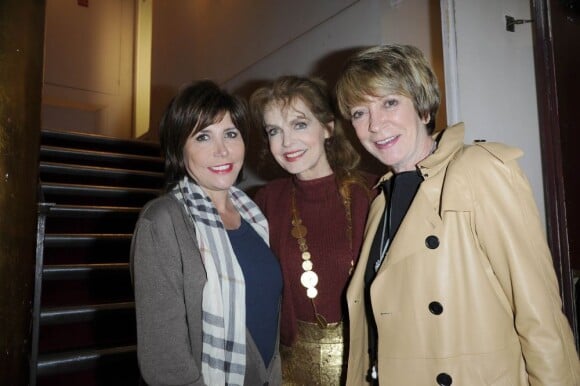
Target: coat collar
point(449, 141)
point(423, 218)
point(421, 221)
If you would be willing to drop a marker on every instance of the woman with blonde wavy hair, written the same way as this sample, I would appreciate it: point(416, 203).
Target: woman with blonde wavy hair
point(316, 217)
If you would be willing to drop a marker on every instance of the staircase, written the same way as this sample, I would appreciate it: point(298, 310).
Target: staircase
point(92, 189)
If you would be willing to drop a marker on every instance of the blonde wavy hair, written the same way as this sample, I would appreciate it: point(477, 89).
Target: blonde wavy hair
point(284, 91)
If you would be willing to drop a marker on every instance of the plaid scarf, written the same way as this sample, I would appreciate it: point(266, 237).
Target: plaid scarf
point(223, 359)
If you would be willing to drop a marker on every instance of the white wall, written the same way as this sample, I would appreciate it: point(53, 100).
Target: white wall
point(495, 84)
point(309, 52)
point(218, 39)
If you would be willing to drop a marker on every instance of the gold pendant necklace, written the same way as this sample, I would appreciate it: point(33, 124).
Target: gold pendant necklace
point(309, 278)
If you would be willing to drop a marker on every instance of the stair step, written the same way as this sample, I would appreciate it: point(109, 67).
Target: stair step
point(100, 288)
point(91, 219)
point(98, 171)
point(96, 141)
point(77, 360)
point(108, 328)
point(95, 190)
point(83, 240)
point(79, 271)
point(92, 190)
point(77, 194)
point(100, 158)
point(93, 211)
point(58, 171)
point(74, 314)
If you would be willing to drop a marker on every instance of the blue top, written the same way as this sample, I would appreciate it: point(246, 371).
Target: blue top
point(263, 287)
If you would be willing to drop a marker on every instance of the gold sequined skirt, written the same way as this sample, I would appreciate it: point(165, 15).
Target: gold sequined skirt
point(317, 357)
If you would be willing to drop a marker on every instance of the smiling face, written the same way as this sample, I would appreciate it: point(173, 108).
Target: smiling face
point(214, 156)
point(391, 130)
point(296, 139)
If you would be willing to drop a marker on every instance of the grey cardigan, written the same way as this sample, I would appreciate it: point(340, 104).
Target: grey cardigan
point(168, 278)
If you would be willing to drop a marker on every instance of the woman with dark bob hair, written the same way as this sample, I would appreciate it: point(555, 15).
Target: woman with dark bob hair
point(207, 286)
point(317, 215)
point(455, 284)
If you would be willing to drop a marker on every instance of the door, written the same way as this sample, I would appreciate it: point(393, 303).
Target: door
point(88, 74)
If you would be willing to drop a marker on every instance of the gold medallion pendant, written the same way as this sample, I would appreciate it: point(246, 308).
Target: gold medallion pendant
point(316, 357)
point(309, 278)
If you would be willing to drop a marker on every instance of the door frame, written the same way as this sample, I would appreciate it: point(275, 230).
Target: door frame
point(552, 160)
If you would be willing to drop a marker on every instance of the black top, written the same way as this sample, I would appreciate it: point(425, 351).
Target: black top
point(263, 287)
point(399, 192)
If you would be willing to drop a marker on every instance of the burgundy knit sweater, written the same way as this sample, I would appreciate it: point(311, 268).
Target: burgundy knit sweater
point(322, 212)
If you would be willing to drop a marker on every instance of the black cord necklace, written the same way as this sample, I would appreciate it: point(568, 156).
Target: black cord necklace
point(385, 241)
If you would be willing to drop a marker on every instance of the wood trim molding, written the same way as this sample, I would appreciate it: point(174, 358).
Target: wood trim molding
point(551, 149)
point(449, 36)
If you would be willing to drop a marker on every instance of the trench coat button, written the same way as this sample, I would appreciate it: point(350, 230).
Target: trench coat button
point(432, 242)
point(444, 379)
point(436, 308)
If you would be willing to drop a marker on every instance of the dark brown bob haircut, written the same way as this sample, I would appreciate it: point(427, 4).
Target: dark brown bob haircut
point(195, 107)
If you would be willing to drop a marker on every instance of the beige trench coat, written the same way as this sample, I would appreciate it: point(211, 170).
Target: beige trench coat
point(467, 293)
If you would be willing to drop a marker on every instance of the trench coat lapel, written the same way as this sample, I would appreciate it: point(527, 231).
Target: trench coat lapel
point(416, 226)
point(421, 221)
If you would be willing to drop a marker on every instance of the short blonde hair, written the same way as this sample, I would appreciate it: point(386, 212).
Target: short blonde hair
point(381, 70)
